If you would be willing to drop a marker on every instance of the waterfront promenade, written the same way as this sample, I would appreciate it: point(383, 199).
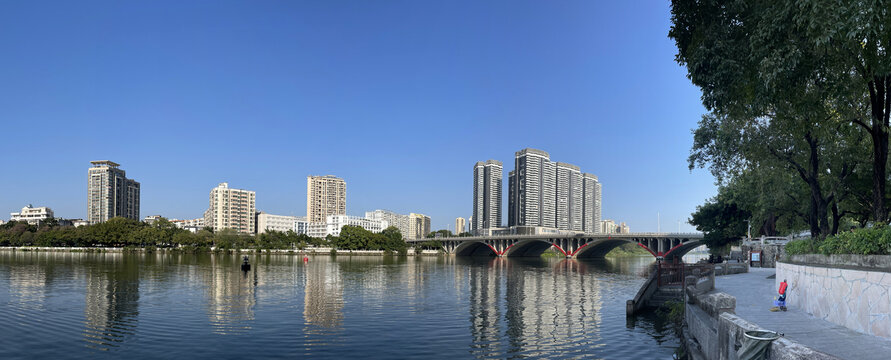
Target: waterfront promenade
point(754, 294)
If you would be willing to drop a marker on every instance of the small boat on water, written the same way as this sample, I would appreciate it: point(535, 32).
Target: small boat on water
point(246, 265)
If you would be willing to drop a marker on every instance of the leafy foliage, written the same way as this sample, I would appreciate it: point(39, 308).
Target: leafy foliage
point(796, 90)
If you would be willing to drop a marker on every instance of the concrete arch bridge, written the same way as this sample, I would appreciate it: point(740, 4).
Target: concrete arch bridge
point(661, 245)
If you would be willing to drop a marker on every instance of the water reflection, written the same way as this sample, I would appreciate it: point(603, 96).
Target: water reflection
point(111, 308)
point(138, 305)
point(231, 295)
point(323, 296)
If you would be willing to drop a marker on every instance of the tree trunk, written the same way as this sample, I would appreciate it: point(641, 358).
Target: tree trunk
point(836, 218)
point(880, 102)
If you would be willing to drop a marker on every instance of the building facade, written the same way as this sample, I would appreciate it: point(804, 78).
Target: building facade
point(608, 227)
point(590, 204)
point(325, 196)
point(32, 215)
point(231, 209)
point(532, 190)
point(460, 224)
point(110, 194)
point(487, 183)
point(282, 223)
point(401, 222)
point(546, 194)
point(419, 226)
point(334, 223)
point(569, 197)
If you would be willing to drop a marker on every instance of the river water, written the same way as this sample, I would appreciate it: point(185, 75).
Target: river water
point(113, 305)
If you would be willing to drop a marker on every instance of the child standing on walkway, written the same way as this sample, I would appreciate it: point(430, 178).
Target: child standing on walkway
point(781, 301)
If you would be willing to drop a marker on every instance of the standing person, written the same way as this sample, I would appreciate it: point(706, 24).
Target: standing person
point(782, 299)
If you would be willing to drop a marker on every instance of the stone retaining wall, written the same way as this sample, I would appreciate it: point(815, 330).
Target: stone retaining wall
point(714, 331)
point(857, 299)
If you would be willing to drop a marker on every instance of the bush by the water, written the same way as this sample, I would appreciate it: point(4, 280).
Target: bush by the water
point(867, 241)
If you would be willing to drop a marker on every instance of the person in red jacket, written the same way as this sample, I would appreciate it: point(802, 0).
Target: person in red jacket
point(782, 299)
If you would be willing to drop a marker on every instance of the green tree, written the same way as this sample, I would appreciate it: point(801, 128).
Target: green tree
point(779, 94)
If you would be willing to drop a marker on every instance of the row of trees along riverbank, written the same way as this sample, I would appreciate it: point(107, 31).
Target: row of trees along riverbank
point(798, 95)
point(121, 232)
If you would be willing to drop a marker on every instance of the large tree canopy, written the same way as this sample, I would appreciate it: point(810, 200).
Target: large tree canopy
point(795, 86)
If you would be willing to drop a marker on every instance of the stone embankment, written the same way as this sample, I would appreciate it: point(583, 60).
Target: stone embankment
point(848, 290)
point(714, 331)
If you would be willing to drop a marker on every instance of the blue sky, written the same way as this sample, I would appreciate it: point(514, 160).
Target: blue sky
point(400, 98)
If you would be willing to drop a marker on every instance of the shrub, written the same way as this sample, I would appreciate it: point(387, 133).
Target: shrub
point(803, 246)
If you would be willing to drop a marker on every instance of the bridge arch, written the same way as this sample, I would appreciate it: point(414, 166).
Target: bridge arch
point(599, 248)
point(529, 248)
point(475, 248)
point(680, 249)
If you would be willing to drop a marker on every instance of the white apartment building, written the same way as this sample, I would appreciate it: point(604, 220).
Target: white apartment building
point(608, 227)
point(401, 222)
point(419, 226)
point(33, 215)
point(460, 223)
point(151, 219)
point(335, 223)
point(231, 209)
point(269, 222)
point(325, 195)
point(110, 193)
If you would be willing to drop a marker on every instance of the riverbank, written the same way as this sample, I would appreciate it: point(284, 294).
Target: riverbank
point(307, 251)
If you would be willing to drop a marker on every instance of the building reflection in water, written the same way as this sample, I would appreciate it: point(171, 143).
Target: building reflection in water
point(323, 297)
point(112, 300)
point(231, 295)
point(539, 309)
point(485, 310)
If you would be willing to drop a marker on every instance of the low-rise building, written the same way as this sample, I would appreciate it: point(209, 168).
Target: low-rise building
point(151, 219)
point(269, 222)
point(335, 223)
point(32, 215)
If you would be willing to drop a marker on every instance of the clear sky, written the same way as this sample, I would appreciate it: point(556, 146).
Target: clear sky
point(399, 98)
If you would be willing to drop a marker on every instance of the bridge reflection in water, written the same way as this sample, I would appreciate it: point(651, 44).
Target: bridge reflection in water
point(661, 245)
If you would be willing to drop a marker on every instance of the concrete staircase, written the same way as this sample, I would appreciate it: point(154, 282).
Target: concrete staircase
point(665, 294)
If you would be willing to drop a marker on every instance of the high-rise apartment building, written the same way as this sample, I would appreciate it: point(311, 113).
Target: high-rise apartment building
point(532, 190)
point(542, 193)
point(590, 204)
point(231, 209)
point(570, 197)
point(487, 179)
point(110, 194)
point(460, 223)
point(325, 195)
point(419, 226)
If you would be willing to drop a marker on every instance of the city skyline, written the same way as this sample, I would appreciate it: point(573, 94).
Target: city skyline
point(376, 110)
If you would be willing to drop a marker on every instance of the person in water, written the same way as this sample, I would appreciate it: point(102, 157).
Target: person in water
point(781, 300)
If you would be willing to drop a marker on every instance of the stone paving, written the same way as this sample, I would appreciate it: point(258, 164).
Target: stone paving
point(755, 293)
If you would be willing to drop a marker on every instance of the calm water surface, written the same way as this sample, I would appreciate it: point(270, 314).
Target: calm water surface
point(76, 305)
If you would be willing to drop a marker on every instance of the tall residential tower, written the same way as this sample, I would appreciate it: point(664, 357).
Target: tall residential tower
point(532, 190)
point(487, 177)
point(231, 209)
point(110, 193)
point(325, 195)
point(543, 193)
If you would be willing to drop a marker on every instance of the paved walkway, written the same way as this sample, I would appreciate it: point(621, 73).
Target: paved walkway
point(754, 294)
